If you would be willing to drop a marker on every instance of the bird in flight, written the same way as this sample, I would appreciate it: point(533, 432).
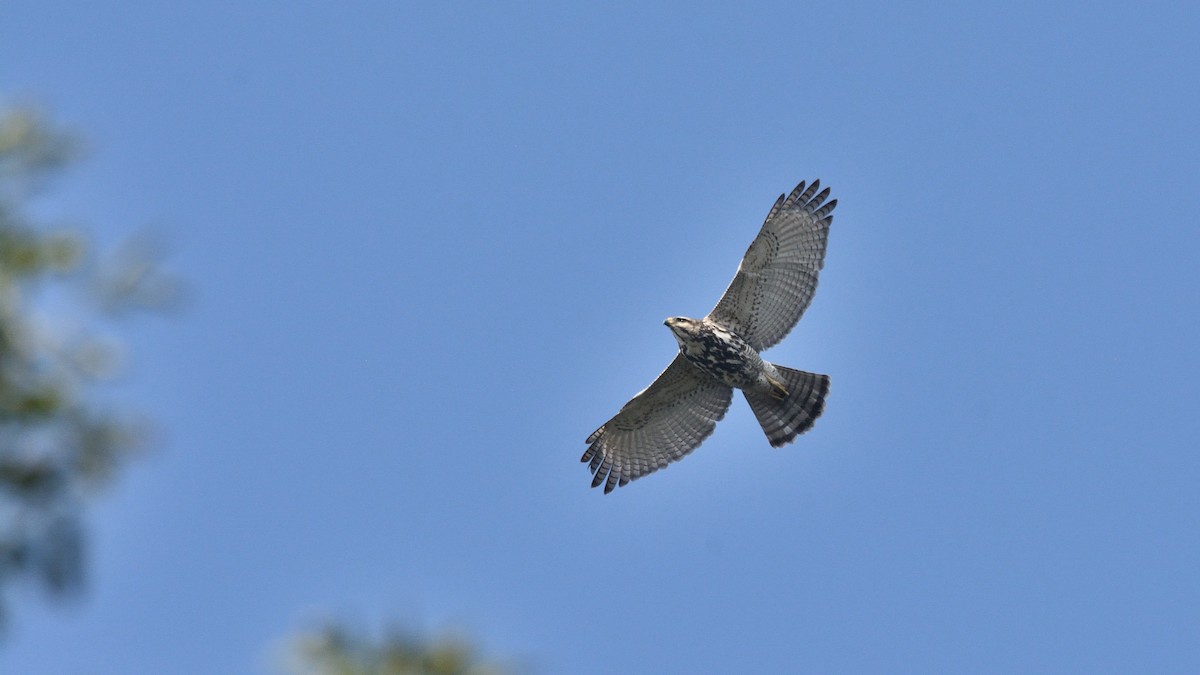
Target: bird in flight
point(719, 353)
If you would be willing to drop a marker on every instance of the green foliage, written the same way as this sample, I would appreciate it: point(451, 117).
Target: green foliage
point(58, 440)
point(335, 651)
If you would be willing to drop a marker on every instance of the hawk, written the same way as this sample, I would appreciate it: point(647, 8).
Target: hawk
point(719, 353)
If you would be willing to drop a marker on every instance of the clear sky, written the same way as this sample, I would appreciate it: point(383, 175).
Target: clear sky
point(430, 248)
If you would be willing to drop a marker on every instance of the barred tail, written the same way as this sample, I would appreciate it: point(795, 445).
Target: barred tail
point(783, 419)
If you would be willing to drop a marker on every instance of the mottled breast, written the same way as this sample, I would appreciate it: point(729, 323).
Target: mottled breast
point(723, 355)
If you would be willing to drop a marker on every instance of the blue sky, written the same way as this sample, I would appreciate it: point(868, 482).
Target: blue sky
point(430, 249)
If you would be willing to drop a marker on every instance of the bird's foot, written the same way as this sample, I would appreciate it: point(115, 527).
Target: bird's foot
point(778, 391)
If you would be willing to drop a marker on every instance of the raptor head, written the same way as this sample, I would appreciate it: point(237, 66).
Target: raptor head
point(681, 326)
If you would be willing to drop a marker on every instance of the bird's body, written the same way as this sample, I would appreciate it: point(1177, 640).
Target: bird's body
point(721, 352)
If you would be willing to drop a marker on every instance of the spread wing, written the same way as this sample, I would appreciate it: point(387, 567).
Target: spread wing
point(664, 422)
point(778, 274)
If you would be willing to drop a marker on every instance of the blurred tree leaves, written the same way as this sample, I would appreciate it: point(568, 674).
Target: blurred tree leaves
point(58, 440)
point(334, 650)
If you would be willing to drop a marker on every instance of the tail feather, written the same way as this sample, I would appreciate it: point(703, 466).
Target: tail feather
point(783, 419)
